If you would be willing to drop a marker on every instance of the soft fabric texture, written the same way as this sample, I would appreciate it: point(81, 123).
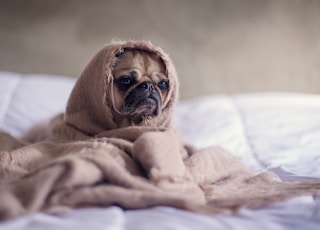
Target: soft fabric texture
point(85, 158)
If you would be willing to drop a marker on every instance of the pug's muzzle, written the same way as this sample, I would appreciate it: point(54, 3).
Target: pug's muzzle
point(144, 100)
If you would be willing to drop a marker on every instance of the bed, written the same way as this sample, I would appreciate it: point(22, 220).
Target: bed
point(276, 131)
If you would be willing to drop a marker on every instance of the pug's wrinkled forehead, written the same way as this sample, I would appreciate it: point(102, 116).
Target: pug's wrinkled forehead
point(143, 65)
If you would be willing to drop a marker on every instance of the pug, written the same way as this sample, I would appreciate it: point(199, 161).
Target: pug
point(140, 85)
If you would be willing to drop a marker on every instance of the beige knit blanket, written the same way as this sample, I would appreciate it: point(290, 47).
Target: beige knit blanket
point(86, 157)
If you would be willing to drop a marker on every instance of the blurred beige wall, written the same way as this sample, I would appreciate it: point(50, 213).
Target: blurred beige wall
point(218, 46)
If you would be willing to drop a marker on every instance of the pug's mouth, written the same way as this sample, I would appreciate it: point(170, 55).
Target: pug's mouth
point(140, 104)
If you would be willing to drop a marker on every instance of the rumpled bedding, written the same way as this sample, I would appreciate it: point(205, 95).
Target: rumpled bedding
point(288, 144)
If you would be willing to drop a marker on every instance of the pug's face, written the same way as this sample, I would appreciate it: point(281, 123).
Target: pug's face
point(140, 85)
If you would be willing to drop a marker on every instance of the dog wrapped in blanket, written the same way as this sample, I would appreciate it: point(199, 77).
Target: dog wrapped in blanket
point(116, 145)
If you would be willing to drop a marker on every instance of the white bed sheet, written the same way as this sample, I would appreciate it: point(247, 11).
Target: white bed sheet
point(278, 131)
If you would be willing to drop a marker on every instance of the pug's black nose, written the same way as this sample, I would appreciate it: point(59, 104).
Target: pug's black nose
point(147, 86)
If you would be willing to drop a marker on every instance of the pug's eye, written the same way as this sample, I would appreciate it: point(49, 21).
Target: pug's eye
point(163, 85)
point(125, 82)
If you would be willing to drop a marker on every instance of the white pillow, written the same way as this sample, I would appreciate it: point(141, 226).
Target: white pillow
point(29, 99)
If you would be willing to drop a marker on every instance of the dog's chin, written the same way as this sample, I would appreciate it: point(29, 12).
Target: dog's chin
point(142, 109)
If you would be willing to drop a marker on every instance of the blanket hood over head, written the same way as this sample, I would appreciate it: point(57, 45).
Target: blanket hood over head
point(90, 107)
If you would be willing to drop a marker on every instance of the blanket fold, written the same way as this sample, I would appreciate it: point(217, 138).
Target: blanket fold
point(86, 157)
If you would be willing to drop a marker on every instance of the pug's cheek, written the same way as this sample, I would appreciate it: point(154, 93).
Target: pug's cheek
point(159, 108)
point(116, 99)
